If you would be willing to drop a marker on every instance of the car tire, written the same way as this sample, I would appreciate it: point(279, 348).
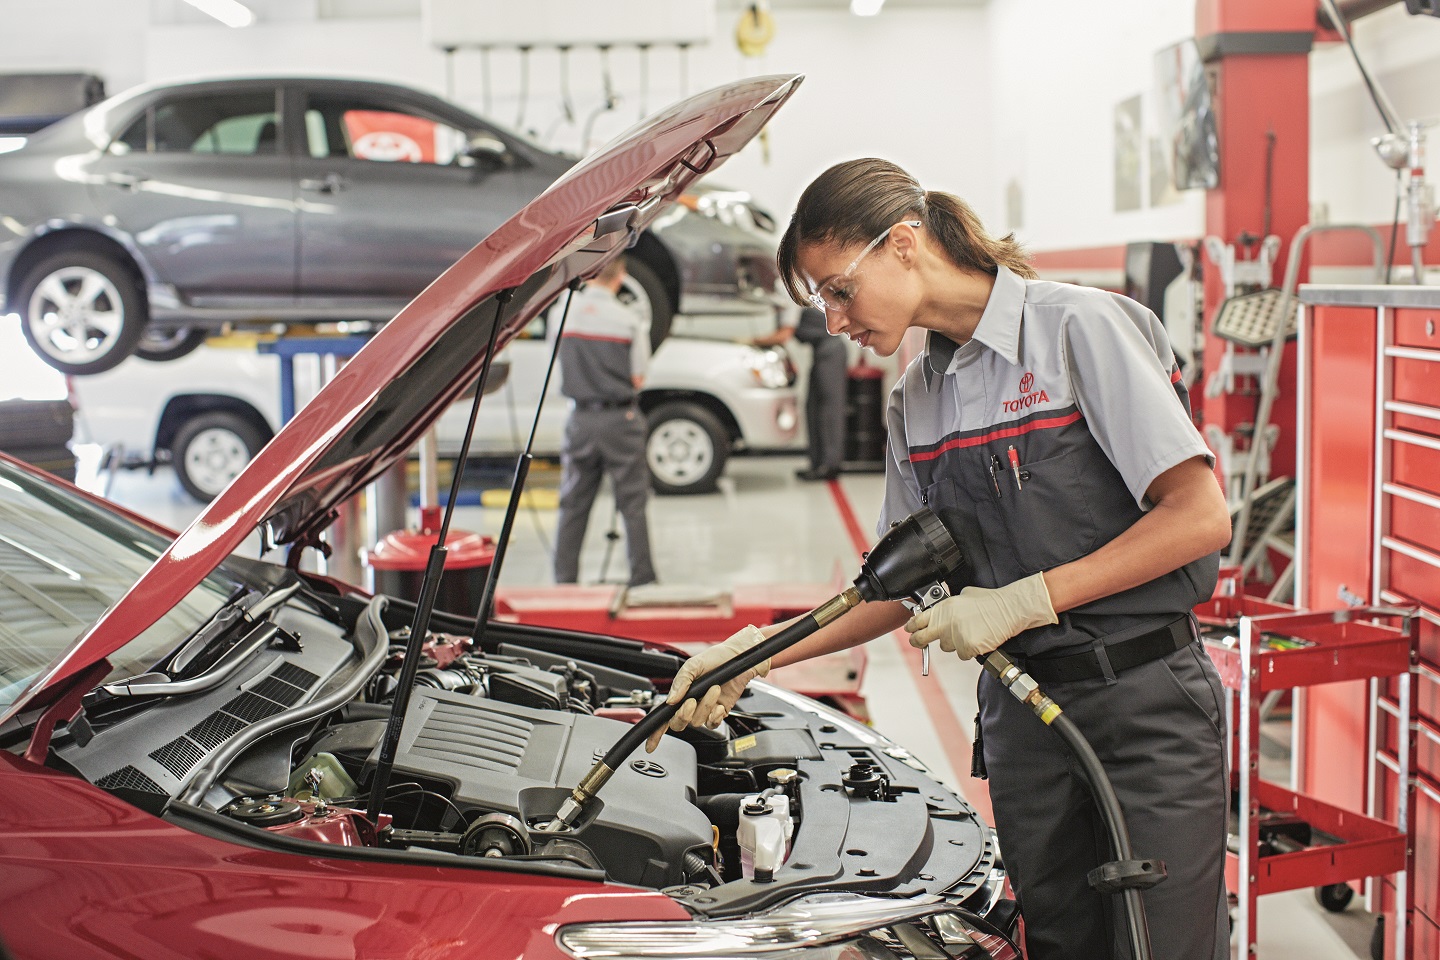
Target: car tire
point(107, 318)
point(643, 285)
point(159, 346)
point(686, 448)
point(209, 450)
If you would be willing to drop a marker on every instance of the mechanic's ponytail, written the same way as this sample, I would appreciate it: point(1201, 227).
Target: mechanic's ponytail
point(853, 202)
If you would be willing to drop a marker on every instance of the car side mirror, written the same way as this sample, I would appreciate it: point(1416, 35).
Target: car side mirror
point(487, 151)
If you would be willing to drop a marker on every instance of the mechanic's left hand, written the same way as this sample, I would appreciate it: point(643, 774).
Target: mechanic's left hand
point(979, 620)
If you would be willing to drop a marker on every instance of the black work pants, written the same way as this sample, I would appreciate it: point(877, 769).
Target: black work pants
point(825, 406)
point(1159, 731)
point(599, 442)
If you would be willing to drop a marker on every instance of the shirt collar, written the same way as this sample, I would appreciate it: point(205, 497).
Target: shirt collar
point(998, 329)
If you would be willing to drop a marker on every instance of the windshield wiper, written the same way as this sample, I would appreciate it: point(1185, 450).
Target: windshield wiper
point(217, 650)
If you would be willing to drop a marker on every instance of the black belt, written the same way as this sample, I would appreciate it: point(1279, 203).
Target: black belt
point(1085, 665)
point(604, 404)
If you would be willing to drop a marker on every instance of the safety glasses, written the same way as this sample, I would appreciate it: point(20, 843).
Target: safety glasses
point(836, 294)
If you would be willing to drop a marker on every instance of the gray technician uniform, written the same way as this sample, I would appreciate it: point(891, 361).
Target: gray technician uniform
point(604, 345)
point(825, 389)
point(1083, 385)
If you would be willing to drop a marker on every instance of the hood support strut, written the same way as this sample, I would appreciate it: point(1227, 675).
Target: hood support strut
point(522, 471)
point(429, 588)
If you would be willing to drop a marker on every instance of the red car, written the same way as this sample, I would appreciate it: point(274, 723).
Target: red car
point(190, 776)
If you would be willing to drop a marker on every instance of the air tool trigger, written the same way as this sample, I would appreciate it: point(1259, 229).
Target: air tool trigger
point(924, 599)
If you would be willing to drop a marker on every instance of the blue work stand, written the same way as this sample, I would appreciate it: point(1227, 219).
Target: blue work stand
point(288, 348)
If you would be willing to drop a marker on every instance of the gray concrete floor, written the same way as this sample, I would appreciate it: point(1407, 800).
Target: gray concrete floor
point(764, 525)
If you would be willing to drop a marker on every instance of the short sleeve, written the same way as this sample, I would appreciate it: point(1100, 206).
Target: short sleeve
point(902, 491)
point(1123, 374)
point(639, 342)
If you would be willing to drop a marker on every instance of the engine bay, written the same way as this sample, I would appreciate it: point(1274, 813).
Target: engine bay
point(786, 797)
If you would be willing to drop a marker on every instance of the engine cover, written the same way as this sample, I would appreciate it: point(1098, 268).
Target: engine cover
point(524, 761)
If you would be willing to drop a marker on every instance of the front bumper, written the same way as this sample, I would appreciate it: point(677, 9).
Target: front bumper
point(768, 419)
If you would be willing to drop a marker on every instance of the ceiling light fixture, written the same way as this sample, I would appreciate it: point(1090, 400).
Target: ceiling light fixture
point(229, 12)
point(866, 8)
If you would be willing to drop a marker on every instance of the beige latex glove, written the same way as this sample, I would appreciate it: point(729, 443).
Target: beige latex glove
point(718, 700)
point(979, 620)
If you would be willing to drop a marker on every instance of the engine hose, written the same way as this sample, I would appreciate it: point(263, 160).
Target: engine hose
point(1025, 689)
point(660, 717)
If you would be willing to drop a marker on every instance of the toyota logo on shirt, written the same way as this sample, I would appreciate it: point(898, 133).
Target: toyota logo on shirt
point(1028, 396)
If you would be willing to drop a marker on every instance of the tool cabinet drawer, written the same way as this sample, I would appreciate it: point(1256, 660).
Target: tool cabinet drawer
point(1415, 465)
point(1416, 381)
point(1417, 523)
point(1417, 328)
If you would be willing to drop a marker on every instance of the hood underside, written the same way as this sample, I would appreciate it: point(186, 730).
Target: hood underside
point(381, 402)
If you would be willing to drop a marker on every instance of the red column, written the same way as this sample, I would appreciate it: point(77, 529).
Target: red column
point(1259, 64)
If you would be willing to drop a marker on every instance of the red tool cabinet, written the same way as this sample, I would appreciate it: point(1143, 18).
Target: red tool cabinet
point(1368, 532)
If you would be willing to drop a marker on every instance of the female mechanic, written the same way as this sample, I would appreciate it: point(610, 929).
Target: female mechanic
point(1052, 418)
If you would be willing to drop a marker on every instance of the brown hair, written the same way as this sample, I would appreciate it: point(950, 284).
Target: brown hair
point(854, 202)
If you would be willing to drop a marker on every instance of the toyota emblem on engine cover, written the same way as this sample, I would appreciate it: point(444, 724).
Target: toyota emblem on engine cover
point(648, 768)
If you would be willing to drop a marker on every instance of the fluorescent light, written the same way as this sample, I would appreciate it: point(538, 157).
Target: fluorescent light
point(7, 144)
point(863, 8)
point(229, 12)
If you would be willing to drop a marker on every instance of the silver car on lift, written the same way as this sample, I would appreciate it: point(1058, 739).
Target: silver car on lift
point(149, 221)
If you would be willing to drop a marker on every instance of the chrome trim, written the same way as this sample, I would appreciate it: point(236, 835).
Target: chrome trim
point(1412, 409)
point(1414, 439)
point(1415, 496)
point(810, 922)
point(1414, 553)
point(1413, 353)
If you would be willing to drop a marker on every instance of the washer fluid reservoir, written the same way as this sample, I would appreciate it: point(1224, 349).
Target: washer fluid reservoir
point(764, 835)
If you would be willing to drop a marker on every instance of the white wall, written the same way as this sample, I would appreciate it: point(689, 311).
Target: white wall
point(106, 37)
point(912, 85)
point(1402, 54)
point(967, 97)
point(1059, 70)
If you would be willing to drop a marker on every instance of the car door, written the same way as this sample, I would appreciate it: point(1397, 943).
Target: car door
point(390, 196)
point(202, 182)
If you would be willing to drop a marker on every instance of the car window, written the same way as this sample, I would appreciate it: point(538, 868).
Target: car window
point(63, 562)
point(136, 138)
point(365, 130)
point(230, 123)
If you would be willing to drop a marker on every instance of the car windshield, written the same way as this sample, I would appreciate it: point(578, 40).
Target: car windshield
point(63, 562)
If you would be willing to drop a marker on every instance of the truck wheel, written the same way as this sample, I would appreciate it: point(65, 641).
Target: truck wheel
point(686, 449)
point(158, 346)
point(210, 450)
point(83, 311)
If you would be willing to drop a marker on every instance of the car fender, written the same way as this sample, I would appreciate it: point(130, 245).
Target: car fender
point(44, 236)
point(129, 406)
point(720, 370)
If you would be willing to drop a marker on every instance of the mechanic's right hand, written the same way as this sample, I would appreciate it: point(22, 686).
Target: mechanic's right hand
point(718, 701)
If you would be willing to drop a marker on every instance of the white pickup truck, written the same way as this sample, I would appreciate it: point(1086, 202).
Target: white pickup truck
point(208, 413)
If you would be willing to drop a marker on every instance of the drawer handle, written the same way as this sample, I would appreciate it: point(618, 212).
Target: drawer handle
point(1429, 326)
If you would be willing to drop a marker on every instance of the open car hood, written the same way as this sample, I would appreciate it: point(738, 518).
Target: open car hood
point(389, 394)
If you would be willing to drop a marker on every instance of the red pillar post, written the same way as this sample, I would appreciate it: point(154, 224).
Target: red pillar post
point(1257, 57)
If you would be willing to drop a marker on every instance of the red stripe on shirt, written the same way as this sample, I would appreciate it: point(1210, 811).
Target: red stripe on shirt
point(596, 336)
point(1047, 424)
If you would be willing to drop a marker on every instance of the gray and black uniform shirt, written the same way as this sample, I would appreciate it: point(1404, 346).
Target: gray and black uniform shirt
point(1082, 384)
point(604, 345)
